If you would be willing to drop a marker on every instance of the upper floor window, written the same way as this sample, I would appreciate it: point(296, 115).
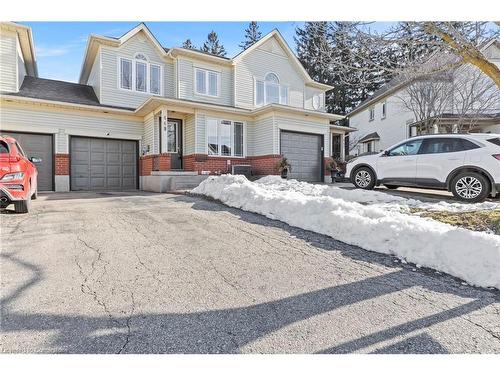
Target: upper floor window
point(384, 109)
point(270, 90)
point(372, 113)
point(207, 82)
point(138, 74)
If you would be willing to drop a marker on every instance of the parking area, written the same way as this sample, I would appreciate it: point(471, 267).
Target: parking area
point(161, 273)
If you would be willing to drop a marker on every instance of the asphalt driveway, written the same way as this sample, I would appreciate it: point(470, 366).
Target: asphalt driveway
point(159, 273)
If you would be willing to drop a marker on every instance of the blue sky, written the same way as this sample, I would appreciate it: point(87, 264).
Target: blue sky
point(60, 45)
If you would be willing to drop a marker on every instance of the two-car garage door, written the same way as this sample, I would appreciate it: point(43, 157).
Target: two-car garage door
point(304, 153)
point(103, 164)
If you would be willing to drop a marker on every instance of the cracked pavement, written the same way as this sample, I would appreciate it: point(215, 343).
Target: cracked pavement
point(158, 273)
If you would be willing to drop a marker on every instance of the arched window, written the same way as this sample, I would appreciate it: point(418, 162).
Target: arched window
point(270, 91)
point(140, 56)
point(139, 74)
point(272, 78)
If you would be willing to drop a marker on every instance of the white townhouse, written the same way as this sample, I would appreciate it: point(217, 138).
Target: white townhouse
point(141, 109)
point(383, 119)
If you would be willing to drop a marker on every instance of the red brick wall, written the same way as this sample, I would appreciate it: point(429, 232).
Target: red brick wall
point(150, 163)
point(146, 165)
point(261, 165)
point(62, 164)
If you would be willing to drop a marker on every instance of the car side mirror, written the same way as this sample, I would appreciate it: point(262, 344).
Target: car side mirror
point(35, 159)
point(386, 153)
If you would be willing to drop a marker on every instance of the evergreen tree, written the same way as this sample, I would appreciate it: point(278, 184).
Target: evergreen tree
point(188, 44)
point(213, 46)
point(252, 34)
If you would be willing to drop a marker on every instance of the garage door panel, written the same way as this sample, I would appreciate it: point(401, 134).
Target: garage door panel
point(107, 165)
point(113, 158)
point(113, 170)
point(41, 146)
point(303, 152)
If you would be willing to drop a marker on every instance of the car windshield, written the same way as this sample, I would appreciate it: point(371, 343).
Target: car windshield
point(4, 149)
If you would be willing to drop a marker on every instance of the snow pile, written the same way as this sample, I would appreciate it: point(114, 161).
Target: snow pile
point(472, 256)
point(384, 200)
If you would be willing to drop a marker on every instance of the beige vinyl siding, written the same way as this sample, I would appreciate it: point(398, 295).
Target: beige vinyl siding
point(302, 125)
point(111, 93)
point(8, 61)
point(308, 99)
point(148, 139)
point(95, 76)
point(186, 76)
point(257, 64)
point(68, 122)
point(260, 135)
point(169, 79)
point(21, 67)
point(201, 144)
point(189, 138)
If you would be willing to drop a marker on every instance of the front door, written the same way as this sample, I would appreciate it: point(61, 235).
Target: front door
point(173, 142)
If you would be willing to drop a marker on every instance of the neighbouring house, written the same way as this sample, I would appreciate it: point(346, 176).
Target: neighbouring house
point(461, 100)
point(141, 110)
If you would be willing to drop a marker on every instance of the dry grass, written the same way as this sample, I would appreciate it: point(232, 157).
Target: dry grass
point(478, 220)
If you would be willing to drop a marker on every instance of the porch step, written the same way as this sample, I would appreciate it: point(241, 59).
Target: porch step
point(161, 182)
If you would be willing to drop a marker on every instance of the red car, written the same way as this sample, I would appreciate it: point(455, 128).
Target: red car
point(18, 176)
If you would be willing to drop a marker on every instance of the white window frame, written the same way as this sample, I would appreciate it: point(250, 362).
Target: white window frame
point(148, 64)
point(279, 85)
point(219, 151)
point(371, 113)
point(207, 82)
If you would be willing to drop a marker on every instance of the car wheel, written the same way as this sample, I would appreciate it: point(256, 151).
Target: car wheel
point(391, 187)
point(35, 194)
point(22, 207)
point(364, 178)
point(470, 187)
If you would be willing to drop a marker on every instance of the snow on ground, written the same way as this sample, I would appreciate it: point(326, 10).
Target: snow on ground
point(384, 200)
point(346, 216)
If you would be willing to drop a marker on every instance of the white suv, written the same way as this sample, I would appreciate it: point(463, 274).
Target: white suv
point(468, 165)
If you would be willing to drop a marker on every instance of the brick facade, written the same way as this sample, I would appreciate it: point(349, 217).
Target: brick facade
point(150, 163)
point(261, 165)
point(61, 164)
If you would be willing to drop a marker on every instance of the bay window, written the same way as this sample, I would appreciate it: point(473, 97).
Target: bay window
point(139, 75)
point(207, 82)
point(269, 90)
point(224, 137)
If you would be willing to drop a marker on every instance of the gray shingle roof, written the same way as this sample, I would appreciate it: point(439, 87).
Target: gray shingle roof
point(68, 92)
point(369, 137)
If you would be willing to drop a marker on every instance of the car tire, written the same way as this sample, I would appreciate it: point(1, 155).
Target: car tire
point(35, 195)
point(22, 207)
point(364, 178)
point(392, 187)
point(470, 187)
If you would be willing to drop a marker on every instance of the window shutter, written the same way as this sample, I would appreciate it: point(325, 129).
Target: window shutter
point(201, 87)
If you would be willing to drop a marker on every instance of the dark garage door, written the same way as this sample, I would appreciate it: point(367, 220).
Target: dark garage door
point(103, 164)
point(303, 152)
point(39, 145)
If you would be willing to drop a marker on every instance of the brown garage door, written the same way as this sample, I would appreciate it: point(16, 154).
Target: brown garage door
point(39, 145)
point(103, 164)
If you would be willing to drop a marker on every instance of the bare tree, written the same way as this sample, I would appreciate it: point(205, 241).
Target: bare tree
point(407, 46)
point(450, 101)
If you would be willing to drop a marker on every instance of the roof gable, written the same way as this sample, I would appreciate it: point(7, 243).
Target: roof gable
point(275, 43)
